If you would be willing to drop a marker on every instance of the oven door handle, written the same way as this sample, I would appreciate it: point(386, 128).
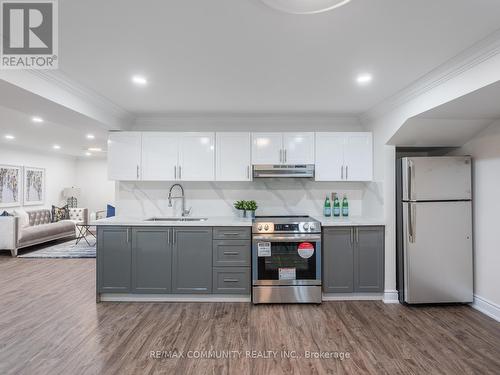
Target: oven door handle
point(288, 238)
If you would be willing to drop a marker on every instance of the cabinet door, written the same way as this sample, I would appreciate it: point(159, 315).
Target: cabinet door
point(159, 156)
point(192, 260)
point(369, 259)
point(114, 255)
point(358, 157)
point(233, 157)
point(338, 260)
point(196, 157)
point(267, 148)
point(329, 156)
point(299, 148)
point(124, 156)
point(151, 260)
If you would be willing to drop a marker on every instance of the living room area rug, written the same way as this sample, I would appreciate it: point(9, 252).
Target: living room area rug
point(65, 249)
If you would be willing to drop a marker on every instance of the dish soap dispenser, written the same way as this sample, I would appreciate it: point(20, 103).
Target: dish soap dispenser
point(327, 209)
point(336, 206)
point(345, 206)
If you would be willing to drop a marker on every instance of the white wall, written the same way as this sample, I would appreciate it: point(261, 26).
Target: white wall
point(92, 179)
point(59, 171)
point(485, 150)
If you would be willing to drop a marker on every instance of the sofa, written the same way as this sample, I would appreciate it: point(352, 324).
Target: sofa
point(17, 233)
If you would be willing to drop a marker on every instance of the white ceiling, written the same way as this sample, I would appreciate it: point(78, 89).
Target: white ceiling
point(454, 123)
point(61, 126)
point(242, 56)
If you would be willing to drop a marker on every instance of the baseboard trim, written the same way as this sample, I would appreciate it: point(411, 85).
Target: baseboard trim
point(124, 297)
point(352, 297)
point(391, 296)
point(486, 307)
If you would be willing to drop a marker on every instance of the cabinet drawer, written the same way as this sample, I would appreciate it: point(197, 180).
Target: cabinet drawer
point(230, 253)
point(234, 280)
point(231, 233)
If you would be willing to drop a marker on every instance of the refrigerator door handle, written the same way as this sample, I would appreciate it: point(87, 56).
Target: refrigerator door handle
point(412, 222)
point(411, 178)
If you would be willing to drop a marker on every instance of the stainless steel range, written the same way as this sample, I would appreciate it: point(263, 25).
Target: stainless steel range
point(286, 259)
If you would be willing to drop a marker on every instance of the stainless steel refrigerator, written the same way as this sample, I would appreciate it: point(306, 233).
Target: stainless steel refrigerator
point(434, 230)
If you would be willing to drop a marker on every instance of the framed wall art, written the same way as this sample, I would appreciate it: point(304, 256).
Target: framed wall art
point(34, 186)
point(10, 185)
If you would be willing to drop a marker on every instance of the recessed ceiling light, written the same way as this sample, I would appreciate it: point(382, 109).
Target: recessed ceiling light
point(364, 78)
point(90, 136)
point(95, 149)
point(88, 154)
point(37, 119)
point(9, 137)
point(139, 80)
point(56, 147)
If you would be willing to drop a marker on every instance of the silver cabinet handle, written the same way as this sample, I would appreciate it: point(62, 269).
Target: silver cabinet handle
point(231, 280)
point(173, 236)
point(168, 237)
point(346, 172)
point(281, 155)
point(137, 171)
point(285, 155)
point(352, 235)
point(230, 234)
point(231, 253)
point(180, 174)
point(248, 172)
point(128, 235)
point(342, 172)
point(175, 172)
point(357, 235)
point(410, 179)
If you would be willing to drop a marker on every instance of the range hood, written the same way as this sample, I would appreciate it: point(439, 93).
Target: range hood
point(280, 171)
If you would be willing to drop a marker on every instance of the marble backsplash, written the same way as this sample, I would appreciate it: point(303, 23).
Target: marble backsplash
point(274, 197)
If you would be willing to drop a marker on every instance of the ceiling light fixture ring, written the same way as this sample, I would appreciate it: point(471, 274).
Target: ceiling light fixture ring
point(305, 6)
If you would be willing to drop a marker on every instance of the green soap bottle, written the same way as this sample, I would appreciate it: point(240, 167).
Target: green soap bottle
point(327, 209)
point(345, 206)
point(336, 206)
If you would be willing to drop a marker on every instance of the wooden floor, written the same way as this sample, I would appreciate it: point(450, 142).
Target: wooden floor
point(50, 324)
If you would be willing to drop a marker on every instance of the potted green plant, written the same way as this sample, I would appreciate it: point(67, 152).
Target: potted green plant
point(250, 208)
point(240, 206)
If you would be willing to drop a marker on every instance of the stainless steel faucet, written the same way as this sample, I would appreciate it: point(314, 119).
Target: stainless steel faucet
point(182, 196)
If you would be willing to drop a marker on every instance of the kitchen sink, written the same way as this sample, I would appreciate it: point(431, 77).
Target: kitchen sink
point(176, 219)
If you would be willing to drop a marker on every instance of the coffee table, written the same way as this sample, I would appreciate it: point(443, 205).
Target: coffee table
point(83, 231)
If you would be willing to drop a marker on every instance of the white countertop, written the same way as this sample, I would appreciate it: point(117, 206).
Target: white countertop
point(232, 221)
point(349, 221)
point(222, 221)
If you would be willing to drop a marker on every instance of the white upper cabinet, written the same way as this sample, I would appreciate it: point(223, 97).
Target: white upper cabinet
point(233, 157)
point(267, 148)
point(124, 156)
point(196, 157)
point(358, 157)
point(283, 148)
point(160, 152)
point(329, 156)
point(298, 148)
point(344, 156)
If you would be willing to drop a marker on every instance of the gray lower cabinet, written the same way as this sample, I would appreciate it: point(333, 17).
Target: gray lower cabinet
point(338, 260)
point(228, 253)
point(192, 260)
point(231, 280)
point(151, 260)
point(353, 259)
point(114, 254)
point(369, 260)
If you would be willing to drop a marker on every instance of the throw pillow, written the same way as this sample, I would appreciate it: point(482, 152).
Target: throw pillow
point(24, 219)
point(60, 213)
point(5, 213)
point(110, 211)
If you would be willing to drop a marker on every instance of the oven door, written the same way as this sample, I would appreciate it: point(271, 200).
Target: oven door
point(286, 259)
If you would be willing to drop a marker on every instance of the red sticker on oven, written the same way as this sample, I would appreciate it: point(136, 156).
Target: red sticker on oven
point(306, 250)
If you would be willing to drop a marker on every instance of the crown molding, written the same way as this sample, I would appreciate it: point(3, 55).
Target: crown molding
point(61, 80)
point(464, 61)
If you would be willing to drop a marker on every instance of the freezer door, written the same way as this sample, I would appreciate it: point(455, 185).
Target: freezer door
point(437, 252)
point(436, 178)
